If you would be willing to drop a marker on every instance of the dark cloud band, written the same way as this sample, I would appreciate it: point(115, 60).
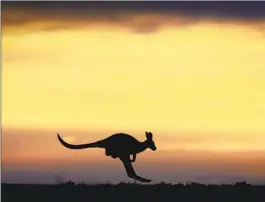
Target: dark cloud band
point(68, 14)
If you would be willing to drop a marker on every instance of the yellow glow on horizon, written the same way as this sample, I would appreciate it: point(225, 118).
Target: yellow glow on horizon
point(202, 78)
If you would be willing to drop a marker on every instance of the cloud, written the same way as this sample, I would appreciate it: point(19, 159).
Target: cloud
point(140, 17)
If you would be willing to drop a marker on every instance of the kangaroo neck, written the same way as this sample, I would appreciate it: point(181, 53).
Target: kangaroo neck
point(142, 146)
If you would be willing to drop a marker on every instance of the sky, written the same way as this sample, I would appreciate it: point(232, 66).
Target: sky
point(192, 73)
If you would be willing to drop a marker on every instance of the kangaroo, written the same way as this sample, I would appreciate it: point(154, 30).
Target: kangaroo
point(120, 146)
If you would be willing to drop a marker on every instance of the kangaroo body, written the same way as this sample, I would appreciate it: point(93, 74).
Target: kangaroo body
point(120, 146)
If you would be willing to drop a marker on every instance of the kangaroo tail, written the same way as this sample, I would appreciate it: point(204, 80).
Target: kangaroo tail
point(79, 146)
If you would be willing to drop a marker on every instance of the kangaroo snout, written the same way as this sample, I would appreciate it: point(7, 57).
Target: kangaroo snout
point(153, 147)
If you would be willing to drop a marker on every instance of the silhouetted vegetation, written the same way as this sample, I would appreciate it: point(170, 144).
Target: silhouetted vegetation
point(70, 191)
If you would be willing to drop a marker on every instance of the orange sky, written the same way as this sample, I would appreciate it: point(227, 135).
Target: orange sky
point(199, 88)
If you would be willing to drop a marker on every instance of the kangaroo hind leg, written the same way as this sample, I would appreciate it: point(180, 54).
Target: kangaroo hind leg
point(110, 153)
point(130, 170)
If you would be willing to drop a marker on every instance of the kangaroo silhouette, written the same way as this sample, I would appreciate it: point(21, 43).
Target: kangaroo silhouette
point(120, 146)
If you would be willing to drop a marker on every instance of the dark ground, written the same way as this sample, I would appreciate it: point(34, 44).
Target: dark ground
point(133, 192)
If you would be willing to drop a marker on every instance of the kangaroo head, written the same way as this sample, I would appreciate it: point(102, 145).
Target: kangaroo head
point(149, 141)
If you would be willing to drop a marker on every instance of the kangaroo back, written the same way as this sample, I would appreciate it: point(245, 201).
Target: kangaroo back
point(80, 146)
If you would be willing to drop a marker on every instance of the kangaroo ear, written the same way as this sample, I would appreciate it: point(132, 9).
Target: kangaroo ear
point(149, 135)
